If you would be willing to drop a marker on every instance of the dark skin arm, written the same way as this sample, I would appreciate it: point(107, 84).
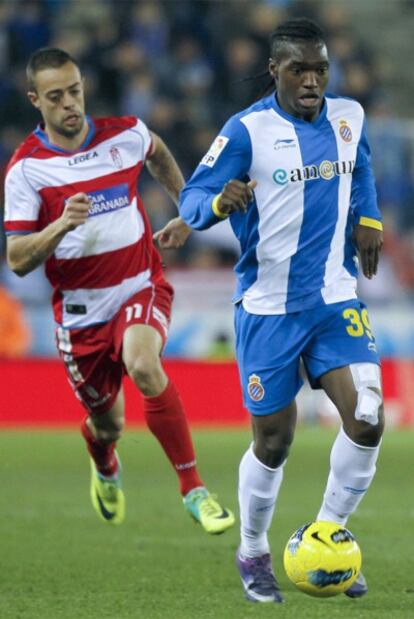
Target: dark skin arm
point(368, 242)
point(235, 196)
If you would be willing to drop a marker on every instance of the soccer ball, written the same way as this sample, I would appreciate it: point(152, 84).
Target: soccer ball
point(322, 558)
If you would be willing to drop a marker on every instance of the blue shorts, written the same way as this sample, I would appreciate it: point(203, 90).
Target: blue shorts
point(269, 349)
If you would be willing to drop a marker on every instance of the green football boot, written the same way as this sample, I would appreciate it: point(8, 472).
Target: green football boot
point(204, 508)
point(107, 496)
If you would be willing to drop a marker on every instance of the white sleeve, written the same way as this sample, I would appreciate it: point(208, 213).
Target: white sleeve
point(22, 202)
point(146, 138)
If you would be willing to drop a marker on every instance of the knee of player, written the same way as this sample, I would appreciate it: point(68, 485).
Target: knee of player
point(367, 424)
point(368, 431)
point(366, 435)
point(110, 431)
point(274, 446)
point(144, 369)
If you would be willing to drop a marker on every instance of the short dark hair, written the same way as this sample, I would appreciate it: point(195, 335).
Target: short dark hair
point(46, 58)
point(292, 31)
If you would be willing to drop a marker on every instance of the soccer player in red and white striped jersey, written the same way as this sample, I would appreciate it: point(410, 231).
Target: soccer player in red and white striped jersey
point(72, 203)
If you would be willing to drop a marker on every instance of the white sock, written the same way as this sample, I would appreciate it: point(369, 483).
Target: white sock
point(352, 471)
point(258, 489)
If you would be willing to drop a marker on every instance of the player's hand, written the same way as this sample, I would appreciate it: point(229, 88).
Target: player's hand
point(369, 242)
point(76, 211)
point(174, 234)
point(235, 196)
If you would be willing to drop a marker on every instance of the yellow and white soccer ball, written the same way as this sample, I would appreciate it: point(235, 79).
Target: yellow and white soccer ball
point(322, 558)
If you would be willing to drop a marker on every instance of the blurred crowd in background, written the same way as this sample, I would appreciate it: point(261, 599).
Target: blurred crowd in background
point(181, 66)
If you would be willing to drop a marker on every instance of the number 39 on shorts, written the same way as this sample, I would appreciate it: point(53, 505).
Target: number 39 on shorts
point(357, 322)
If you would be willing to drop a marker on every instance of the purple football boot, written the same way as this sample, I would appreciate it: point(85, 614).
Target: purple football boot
point(259, 582)
point(358, 588)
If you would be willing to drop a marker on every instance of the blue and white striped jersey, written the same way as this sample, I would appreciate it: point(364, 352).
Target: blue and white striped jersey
point(314, 183)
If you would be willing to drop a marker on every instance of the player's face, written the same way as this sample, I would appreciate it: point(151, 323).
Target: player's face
point(301, 75)
point(59, 97)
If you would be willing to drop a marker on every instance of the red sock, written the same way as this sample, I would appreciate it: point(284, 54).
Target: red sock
point(165, 417)
point(102, 453)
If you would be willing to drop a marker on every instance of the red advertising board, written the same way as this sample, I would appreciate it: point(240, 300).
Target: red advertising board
point(37, 393)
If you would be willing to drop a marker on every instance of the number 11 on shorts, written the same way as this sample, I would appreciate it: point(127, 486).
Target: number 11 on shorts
point(133, 311)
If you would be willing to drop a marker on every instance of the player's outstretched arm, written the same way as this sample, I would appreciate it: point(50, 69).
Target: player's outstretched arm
point(174, 234)
point(235, 196)
point(26, 252)
point(369, 242)
point(163, 167)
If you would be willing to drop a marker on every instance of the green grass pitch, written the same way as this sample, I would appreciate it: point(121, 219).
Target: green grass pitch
point(58, 561)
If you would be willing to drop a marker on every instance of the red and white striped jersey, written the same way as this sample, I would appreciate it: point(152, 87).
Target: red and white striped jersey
point(103, 262)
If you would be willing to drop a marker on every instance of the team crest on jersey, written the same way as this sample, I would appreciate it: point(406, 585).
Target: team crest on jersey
point(345, 131)
point(116, 157)
point(255, 388)
point(214, 151)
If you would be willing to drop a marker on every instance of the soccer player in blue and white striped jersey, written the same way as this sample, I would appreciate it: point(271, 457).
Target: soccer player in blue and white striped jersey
point(293, 174)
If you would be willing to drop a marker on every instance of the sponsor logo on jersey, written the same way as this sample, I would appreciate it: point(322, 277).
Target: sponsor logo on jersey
point(280, 176)
point(255, 388)
point(116, 157)
point(82, 158)
point(284, 144)
point(345, 131)
point(215, 151)
point(326, 170)
point(108, 200)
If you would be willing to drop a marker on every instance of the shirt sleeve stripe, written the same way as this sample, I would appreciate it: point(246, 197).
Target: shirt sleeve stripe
point(16, 225)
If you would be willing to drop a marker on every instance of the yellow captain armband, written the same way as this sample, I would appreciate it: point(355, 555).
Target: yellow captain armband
point(370, 223)
point(215, 208)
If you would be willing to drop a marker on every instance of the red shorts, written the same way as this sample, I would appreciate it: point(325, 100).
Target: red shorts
point(93, 355)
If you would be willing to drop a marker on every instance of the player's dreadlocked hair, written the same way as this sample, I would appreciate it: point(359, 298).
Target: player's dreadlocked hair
point(46, 58)
point(290, 31)
point(293, 30)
